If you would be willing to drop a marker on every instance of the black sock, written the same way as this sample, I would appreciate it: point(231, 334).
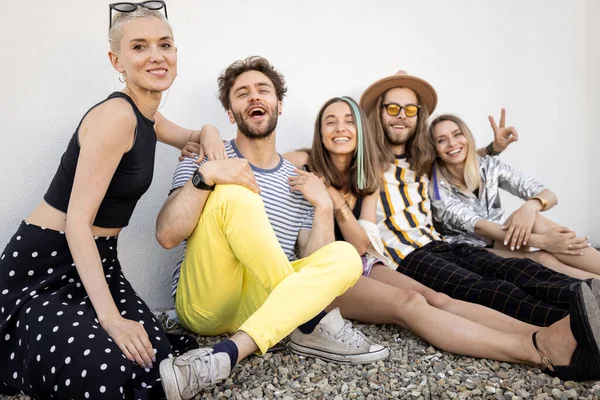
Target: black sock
point(310, 326)
point(227, 346)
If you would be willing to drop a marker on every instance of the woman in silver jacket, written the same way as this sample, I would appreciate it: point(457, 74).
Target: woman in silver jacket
point(466, 204)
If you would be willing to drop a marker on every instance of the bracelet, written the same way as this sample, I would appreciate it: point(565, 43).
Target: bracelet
point(489, 149)
point(544, 202)
point(343, 214)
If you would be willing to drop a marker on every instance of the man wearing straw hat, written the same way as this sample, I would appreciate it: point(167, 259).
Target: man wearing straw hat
point(398, 108)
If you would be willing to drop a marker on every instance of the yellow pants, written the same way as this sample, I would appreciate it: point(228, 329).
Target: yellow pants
point(235, 276)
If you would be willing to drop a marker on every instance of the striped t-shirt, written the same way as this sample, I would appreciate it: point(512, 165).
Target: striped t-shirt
point(288, 211)
point(404, 211)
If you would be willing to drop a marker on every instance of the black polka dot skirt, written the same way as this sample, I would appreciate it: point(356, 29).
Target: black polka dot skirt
point(51, 344)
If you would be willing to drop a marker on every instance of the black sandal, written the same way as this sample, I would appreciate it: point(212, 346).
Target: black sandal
point(585, 326)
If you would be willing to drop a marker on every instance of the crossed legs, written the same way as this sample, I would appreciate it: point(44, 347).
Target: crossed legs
point(584, 266)
point(235, 277)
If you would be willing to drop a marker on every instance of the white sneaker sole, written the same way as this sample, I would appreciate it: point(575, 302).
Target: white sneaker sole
point(362, 358)
point(168, 380)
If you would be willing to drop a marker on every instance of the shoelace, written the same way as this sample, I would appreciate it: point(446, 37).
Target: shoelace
point(200, 364)
point(350, 334)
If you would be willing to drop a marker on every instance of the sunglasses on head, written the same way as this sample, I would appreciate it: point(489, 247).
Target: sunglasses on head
point(126, 7)
point(393, 109)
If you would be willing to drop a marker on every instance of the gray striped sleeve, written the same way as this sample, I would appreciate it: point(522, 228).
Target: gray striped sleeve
point(183, 173)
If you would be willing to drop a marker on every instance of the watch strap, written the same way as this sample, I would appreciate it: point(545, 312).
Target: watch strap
point(198, 181)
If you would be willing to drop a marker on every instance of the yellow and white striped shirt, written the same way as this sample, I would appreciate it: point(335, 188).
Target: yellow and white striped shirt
point(404, 211)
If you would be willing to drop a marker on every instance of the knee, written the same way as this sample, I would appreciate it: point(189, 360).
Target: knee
point(346, 259)
point(411, 299)
point(236, 194)
point(437, 299)
point(542, 257)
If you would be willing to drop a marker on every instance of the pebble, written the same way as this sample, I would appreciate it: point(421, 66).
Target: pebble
point(503, 374)
point(556, 393)
point(415, 371)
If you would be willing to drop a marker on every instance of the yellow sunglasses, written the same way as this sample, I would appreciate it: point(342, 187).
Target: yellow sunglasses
point(393, 109)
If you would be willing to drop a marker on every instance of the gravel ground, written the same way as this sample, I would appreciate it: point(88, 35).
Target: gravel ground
point(414, 370)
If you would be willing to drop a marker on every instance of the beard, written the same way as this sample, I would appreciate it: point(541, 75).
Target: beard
point(395, 139)
point(255, 132)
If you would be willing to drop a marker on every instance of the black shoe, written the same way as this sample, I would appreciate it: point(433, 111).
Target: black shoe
point(585, 326)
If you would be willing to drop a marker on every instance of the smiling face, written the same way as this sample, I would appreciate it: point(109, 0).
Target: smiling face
point(147, 55)
point(400, 128)
point(450, 142)
point(254, 105)
point(338, 130)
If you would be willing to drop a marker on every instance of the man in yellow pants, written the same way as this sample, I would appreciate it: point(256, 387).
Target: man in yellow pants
point(244, 217)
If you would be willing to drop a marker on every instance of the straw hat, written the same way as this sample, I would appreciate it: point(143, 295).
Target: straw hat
point(423, 89)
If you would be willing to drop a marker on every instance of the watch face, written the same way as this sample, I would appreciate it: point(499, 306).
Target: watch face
point(196, 179)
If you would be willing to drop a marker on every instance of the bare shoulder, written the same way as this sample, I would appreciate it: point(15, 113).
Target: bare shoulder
point(114, 111)
point(114, 120)
point(298, 158)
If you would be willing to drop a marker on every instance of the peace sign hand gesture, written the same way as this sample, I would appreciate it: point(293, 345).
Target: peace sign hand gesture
point(502, 136)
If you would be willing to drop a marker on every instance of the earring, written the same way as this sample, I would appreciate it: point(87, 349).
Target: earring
point(122, 77)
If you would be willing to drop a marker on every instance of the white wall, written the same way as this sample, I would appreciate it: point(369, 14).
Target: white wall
point(593, 107)
point(480, 55)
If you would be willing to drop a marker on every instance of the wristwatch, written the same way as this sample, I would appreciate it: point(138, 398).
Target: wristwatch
point(198, 181)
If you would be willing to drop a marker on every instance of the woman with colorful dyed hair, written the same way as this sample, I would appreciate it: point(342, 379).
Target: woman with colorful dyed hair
point(345, 155)
point(466, 204)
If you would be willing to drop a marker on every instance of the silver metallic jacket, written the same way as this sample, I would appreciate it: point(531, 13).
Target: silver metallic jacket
point(455, 213)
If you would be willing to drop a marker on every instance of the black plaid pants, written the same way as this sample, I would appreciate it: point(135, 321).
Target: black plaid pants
point(518, 287)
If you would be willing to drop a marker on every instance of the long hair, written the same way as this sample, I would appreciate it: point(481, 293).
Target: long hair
point(372, 168)
point(472, 176)
point(378, 133)
point(419, 154)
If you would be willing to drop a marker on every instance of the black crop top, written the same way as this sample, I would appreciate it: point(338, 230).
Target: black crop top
point(356, 211)
point(130, 181)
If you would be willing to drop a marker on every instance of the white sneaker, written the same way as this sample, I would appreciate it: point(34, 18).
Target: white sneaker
point(184, 376)
point(336, 340)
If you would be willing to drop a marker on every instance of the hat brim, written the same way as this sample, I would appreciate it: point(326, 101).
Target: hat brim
point(423, 89)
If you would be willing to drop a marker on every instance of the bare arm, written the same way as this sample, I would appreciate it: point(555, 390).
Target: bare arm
point(315, 192)
point(519, 224)
point(179, 215)
point(204, 142)
point(173, 134)
point(106, 134)
point(549, 196)
point(494, 231)
point(321, 233)
point(351, 230)
point(298, 158)
point(558, 240)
